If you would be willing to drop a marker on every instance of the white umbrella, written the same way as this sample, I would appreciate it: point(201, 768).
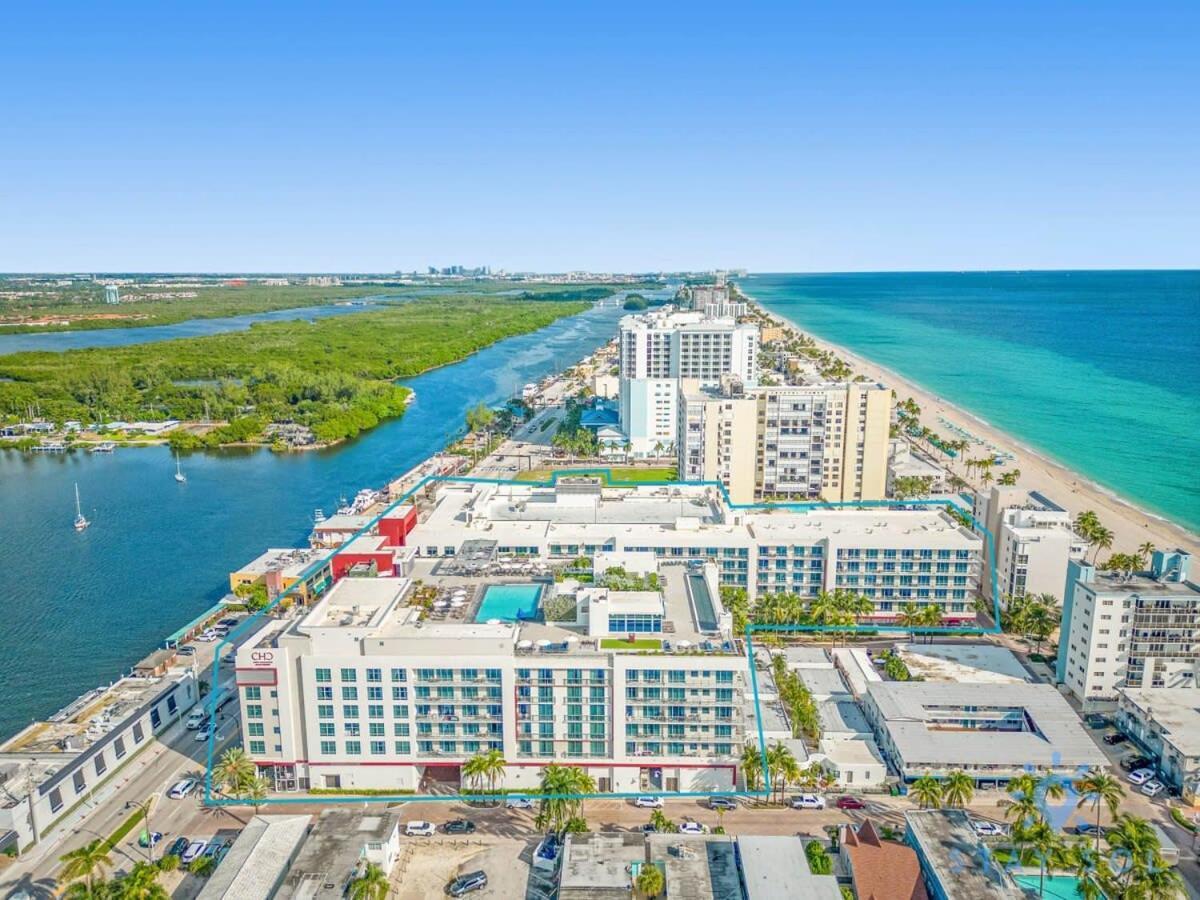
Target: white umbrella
point(493, 621)
point(544, 643)
point(440, 604)
point(457, 603)
point(524, 645)
point(683, 643)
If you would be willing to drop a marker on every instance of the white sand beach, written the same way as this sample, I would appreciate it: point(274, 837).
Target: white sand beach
point(1130, 525)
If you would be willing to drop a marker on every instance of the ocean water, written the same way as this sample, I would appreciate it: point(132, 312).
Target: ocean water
point(81, 608)
point(1098, 370)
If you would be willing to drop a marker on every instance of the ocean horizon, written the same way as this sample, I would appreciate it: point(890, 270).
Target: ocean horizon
point(1097, 370)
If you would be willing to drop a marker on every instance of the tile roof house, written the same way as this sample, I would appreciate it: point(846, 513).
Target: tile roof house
point(881, 870)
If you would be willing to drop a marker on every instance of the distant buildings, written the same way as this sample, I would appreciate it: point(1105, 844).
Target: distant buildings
point(1034, 541)
point(659, 348)
point(112, 293)
point(1129, 630)
point(323, 281)
point(790, 442)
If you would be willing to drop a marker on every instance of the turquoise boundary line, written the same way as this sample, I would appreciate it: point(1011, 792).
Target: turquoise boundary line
point(751, 630)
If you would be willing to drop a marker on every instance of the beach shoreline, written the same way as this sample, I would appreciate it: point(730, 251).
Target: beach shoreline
point(1131, 525)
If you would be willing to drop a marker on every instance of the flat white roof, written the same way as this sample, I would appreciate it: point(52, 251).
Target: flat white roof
point(774, 868)
point(1176, 711)
point(258, 859)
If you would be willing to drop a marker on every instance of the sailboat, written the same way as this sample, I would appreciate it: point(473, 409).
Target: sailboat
point(80, 522)
point(179, 476)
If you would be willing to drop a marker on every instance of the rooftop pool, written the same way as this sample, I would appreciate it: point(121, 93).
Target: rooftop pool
point(1058, 887)
point(506, 601)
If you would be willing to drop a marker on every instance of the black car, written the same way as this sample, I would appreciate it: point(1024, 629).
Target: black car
point(227, 623)
point(466, 884)
point(722, 803)
point(1115, 738)
point(459, 826)
point(1133, 763)
point(1095, 720)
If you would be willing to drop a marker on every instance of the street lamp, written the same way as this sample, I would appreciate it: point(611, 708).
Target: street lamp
point(144, 806)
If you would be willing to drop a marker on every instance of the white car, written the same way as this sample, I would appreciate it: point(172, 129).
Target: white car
point(518, 803)
point(419, 829)
point(1141, 776)
point(808, 801)
point(649, 802)
point(693, 828)
point(195, 848)
point(181, 789)
point(1153, 788)
point(987, 829)
point(208, 637)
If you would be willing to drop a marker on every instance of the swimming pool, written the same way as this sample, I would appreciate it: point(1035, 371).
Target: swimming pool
point(504, 601)
point(1058, 887)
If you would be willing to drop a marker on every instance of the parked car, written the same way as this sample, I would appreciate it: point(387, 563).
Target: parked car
point(195, 848)
point(181, 789)
point(216, 850)
point(207, 637)
point(808, 801)
point(649, 828)
point(726, 803)
point(848, 802)
point(205, 731)
point(149, 840)
point(649, 802)
point(459, 826)
point(1133, 763)
point(1086, 829)
point(690, 827)
point(228, 623)
point(419, 829)
point(186, 650)
point(1095, 720)
point(466, 884)
point(518, 803)
point(178, 846)
point(1115, 738)
point(984, 828)
point(1153, 788)
point(1141, 776)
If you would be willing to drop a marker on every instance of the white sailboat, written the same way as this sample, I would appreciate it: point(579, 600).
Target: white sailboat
point(80, 522)
point(179, 476)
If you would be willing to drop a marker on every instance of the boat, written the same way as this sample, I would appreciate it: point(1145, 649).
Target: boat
point(80, 522)
point(104, 447)
point(179, 476)
point(318, 516)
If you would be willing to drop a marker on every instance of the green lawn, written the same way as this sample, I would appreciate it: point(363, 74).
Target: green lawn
point(627, 474)
point(636, 644)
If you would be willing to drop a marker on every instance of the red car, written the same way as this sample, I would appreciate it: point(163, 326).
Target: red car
point(849, 803)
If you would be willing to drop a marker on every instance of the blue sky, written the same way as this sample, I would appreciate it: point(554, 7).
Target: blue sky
point(789, 137)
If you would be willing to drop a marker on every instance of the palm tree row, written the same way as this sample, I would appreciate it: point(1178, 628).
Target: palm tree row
point(1124, 565)
point(1089, 527)
point(836, 610)
point(783, 768)
point(1034, 616)
point(237, 775)
point(86, 867)
point(561, 807)
point(488, 767)
point(913, 617)
point(798, 700)
point(955, 791)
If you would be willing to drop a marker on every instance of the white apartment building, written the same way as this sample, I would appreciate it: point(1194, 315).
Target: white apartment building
point(789, 442)
point(714, 300)
point(658, 348)
point(1141, 631)
point(1034, 541)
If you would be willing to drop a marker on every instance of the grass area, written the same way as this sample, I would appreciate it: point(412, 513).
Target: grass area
point(124, 828)
point(360, 792)
point(334, 376)
point(625, 644)
point(628, 474)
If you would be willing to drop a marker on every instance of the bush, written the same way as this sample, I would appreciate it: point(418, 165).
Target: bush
point(636, 302)
point(818, 860)
point(169, 863)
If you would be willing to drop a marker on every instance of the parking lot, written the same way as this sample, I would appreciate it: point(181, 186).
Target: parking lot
point(429, 864)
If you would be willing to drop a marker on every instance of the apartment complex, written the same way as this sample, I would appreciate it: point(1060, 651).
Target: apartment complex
point(658, 348)
point(792, 442)
point(1129, 630)
point(1165, 722)
point(1034, 541)
point(714, 300)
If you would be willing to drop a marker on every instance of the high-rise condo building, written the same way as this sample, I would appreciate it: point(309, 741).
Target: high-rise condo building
point(657, 349)
point(793, 442)
point(1129, 629)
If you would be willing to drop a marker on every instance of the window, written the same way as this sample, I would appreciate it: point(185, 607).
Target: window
point(101, 765)
point(399, 675)
point(378, 748)
point(253, 711)
point(354, 748)
point(80, 782)
point(349, 693)
point(350, 712)
point(374, 675)
point(253, 693)
point(138, 734)
point(119, 747)
point(327, 729)
point(56, 802)
point(325, 711)
point(402, 747)
point(258, 747)
point(374, 693)
point(328, 748)
point(400, 711)
point(324, 693)
point(399, 693)
point(254, 729)
point(375, 711)
point(349, 675)
point(400, 729)
point(323, 676)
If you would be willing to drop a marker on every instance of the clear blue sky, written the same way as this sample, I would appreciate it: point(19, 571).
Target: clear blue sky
point(790, 137)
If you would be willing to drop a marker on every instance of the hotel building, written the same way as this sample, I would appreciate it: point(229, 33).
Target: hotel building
point(791, 442)
point(1034, 541)
point(1136, 631)
point(657, 349)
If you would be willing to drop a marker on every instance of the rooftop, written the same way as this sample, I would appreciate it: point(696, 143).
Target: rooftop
point(597, 864)
point(343, 522)
point(356, 602)
point(775, 868)
point(975, 663)
point(258, 859)
point(1176, 712)
point(882, 870)
point(1140, 583)
point(697, 867)
point(948, 844)
point(1011, 725)
point(329, 858)
point(277, 560)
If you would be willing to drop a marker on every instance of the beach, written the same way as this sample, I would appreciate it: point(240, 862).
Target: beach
point(1131, 526)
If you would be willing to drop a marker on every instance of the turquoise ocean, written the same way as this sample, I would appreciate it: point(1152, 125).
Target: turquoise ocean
point(1099, 371)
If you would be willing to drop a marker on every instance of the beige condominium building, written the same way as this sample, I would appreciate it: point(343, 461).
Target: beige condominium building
point(794, 442)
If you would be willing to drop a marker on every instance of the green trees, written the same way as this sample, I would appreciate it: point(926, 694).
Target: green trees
point(783, 768)
point(234, 771)
point(1010, 478)
point(662, 824)
point(798, 701)
point(372, 884)
point(1034, 616)
point(819, 862)
point(486, 767)
point(635, 302)
point(1100, 789)
point(751, 763)
point(958, 789)
point(927, 791)
point(560, 806)
point(912, 486)
point(1044, 842)
point(650, 880)
point(88, 863)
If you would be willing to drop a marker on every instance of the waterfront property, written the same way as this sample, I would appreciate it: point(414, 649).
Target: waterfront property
point(992, 733)
point(51, 766)
point(1129, 629)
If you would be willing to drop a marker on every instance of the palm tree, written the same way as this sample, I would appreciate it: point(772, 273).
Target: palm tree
point(1039, 620)
point(560, 803)
point(910, 618)
point(87, 862)
point(1102, 539)
point(784, 768)
point(1100, 789)
point(81, 890)
point(1046, 845)
point(473, 770)
point(958, 789)
point(234, 771)
point(1090, 870)
point(928, 792)
point(752, 766)
point(141, 884)
point(494, 765)
point(372, 884)
point(1146, 550)
point(650, 881)
point(931, 617)
point(1134, 840)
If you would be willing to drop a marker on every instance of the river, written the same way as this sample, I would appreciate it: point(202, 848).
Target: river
point(80, 608)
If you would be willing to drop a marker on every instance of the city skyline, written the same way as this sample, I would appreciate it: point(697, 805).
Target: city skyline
point(935, 137)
